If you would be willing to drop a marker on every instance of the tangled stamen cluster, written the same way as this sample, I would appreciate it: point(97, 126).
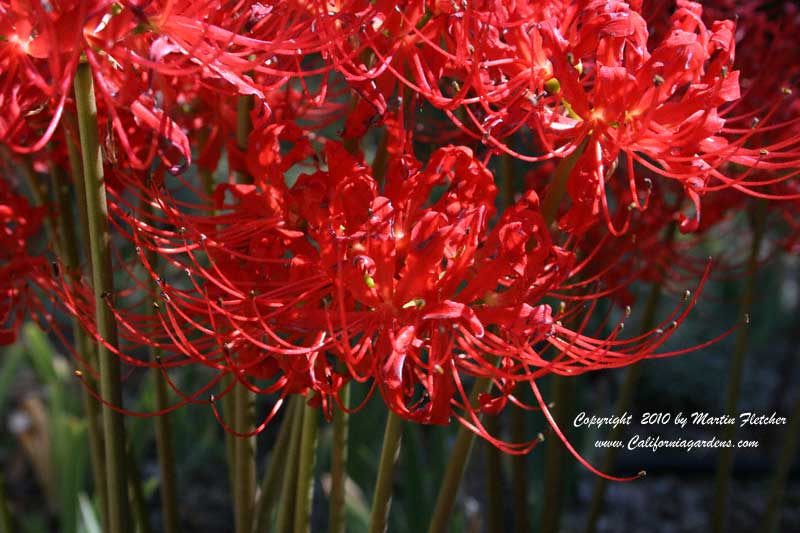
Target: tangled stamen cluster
point(310, 193)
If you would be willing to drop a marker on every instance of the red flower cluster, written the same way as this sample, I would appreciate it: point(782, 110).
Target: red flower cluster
point(356, 235)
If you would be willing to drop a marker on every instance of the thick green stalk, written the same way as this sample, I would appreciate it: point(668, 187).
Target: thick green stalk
point(459, 457)
point(207, 178)
point(554, 455)
point(772, 516)
point(562, 388)
point(339, 449)
point(381, 500)
point(69, 245)
point(76, 168)
point(244, 459)
point(494, 480)
point(270, 483)
point(103, 284)
point(285, 518)
point(71, 260)
point(725, 464)
point(227, 401)
point(465, 438)
point(304, 498)
point(244, 449)
point(166, 456)
point(622, 404)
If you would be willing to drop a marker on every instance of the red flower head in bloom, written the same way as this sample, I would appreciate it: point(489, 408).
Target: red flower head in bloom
point(424, 293)
point(150, 61)
point(581, 76)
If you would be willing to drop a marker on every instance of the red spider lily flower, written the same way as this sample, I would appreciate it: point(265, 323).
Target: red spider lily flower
point(143, 57)
point(643, 106)
point(666, 111)
point(424, 294)
point(582, 73)
point(767, 71)
point(37, 57)
point(41, 51)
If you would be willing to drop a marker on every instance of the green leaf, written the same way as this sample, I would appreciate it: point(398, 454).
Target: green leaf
point(70, 460)
point(89, 522)
point(41, 353)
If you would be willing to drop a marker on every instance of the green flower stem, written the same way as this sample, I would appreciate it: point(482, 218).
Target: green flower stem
point(76, 168)
point(71, 260)
point(244, 459)
point(563, 390)
point(163, 428)
point(772, 516)
point(305, 470)
point(85, 344)
point(68, 246)
point(270, 483)
point(244, 449)
point(459, 457)
point(291, 460)
point(207, 177)
point(103, 284)
point(561, 387)
point(462, 448)
point(227, 401)
point(624, 400)
point(166, 455)
point(725, 464)
point(69, 251)
point(494, 480)
point(339, 449)
point(381, 501)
